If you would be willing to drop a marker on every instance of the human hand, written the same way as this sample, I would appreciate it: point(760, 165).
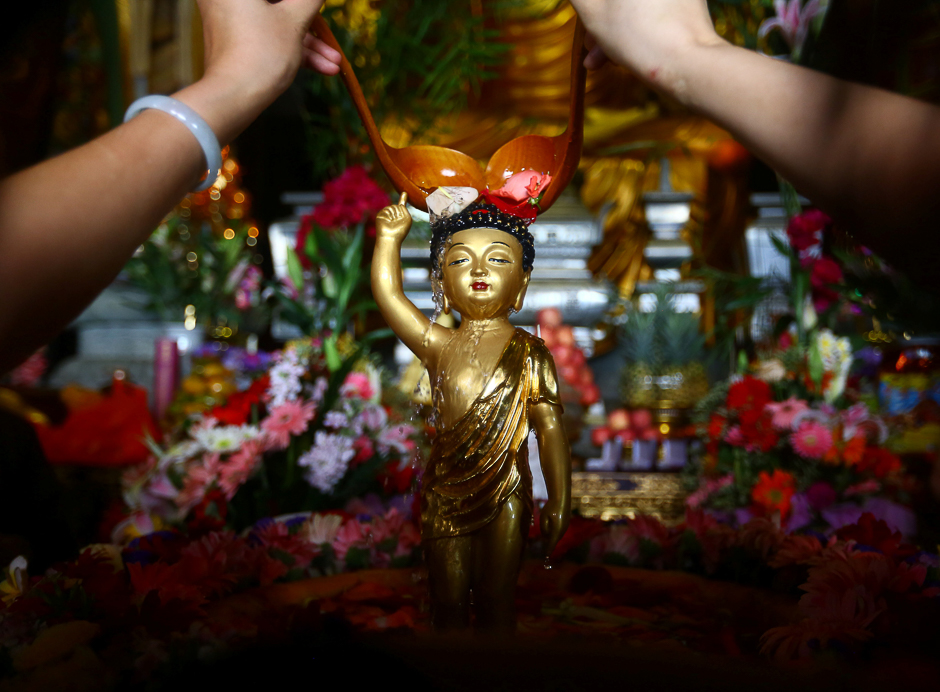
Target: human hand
point(553, 521)
point(645, 36)
point(258, 45)
point(394, 221)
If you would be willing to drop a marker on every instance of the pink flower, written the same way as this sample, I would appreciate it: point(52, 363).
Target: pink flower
point(710, 487)
point(357, 385)
point(239, 467)
point(389, 525)
point(397, 437)
point(792, 21)
point(783, 412)
point(30, 372)
point(735, 437)
point(619, 540)
point(811, 440)
point(352, 534)
point(523, 186)
point(290, 418)
point(197, 482)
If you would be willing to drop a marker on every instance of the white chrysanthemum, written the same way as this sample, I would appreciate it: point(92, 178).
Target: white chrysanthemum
point(327, 461)
point(225, 439)
point(321, 528)
point(181, 451)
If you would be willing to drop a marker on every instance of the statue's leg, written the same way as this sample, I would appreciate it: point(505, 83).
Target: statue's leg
point(448, 561)
point(497, 557)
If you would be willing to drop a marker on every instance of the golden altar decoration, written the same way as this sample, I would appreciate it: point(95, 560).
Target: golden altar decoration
point(612, 495)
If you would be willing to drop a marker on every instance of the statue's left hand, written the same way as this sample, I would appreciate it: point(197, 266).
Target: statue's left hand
point(554, 523)
point(394, 221)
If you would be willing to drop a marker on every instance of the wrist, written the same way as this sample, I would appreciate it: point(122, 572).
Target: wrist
point(227, 105)
point(685, 72)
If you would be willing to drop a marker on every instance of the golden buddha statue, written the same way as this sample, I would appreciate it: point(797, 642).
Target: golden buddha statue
point(491, 383)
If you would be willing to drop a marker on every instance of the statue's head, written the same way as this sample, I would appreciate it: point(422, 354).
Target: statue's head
point(483, 257)
point(482, 215)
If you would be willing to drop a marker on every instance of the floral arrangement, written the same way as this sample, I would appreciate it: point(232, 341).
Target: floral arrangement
point(772, 450)
point(300, 437)
point(154, 601)
point(327, 287)
point(788, 438)
point(855, 584)
point(139, 611)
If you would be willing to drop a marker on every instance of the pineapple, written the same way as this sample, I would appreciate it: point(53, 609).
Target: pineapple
point(682, 353)
point(637, 384)
point(664, 352)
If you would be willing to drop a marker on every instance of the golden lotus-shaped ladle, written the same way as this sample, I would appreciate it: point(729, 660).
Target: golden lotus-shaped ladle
point(420, 169)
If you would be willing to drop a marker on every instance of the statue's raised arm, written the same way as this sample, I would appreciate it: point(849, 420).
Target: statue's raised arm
point(416, 331)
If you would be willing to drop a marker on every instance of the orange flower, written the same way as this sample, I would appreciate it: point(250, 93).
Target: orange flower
point(851, 452)
point(772, 493)
point(854, 450)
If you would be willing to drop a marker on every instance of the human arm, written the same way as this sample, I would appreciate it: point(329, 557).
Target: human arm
point(69, 224)
point(867, 156)
point(410, 325)
point(555, 459)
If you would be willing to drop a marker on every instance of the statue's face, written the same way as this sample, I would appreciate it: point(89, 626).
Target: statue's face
point(482, 273)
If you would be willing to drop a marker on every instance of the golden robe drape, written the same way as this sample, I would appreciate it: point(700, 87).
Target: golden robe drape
point(478, 463)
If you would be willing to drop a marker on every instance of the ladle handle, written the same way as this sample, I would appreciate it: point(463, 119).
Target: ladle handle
point(574, 133)
point(401, 182)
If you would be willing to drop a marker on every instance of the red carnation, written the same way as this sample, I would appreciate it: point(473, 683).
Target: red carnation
point(348, 200)
point(805, 230)
point(824, 272)
point(759, 434)
point(748, 398)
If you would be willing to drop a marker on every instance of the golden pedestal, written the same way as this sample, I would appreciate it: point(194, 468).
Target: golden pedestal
point(623, 495)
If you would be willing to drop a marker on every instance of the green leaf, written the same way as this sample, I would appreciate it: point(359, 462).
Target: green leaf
point(333, 360)
point(294, 269)
point(816, 368)
point(310, 246)
point(783, 248)
point(789, 197)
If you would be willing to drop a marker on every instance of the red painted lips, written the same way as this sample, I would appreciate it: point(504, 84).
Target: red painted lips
point(479, 285)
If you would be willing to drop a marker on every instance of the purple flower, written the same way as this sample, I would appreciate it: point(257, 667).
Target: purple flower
point(841, 515)
point(801, 513)
point(897, 517)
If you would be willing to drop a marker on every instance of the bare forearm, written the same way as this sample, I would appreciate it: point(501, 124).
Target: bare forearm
point(68, 225)
point(868, 157)
point(861, 153)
